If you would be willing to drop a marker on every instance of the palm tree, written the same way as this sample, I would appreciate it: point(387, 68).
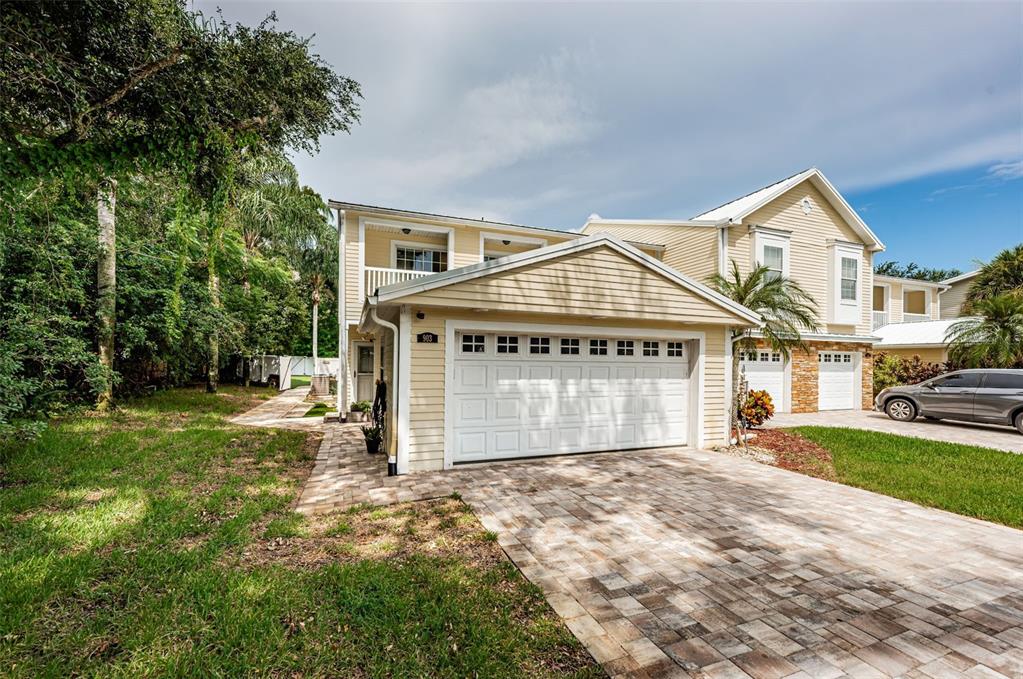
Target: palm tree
point(318, 266)
point(993, 339)
point(784, 307)
point(1002, 275)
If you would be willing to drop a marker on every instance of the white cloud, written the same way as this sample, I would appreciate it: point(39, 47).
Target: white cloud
point(1010, 170)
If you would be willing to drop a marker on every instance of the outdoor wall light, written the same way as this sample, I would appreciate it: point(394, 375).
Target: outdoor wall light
point(506, 242)
point(406, 231)
point(420, 315)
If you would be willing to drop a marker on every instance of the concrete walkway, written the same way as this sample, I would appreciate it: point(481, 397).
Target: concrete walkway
point(283, 411)
point(989, 436)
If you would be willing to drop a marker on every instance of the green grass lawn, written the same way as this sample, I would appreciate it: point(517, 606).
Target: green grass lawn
point(318, 410)
point(159, 541)
point(968, 480)
point(300, 381)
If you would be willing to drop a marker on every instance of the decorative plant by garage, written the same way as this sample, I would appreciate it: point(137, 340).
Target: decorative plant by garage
point(360, 411)
point(756, 408)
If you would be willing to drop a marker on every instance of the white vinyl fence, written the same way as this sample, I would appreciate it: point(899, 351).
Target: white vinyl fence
point(264, 368)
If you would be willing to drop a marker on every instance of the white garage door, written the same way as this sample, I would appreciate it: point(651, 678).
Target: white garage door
point(765, 371)
point(836, 384)
point(529, 395)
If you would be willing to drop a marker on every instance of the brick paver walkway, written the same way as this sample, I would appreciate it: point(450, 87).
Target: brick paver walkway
point(971, 433)
point(283, 411)
point(681, 562)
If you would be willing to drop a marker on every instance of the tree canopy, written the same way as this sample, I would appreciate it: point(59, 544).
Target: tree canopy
point(915, 271)
point(192, 118)
point(1003, 275)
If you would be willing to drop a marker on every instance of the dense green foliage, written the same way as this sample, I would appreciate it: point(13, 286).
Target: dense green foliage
point(123, 552)
point(190, 118)
point(1003, 275)
point(913, 270)
point(891, 370)
point(993, 338)
point(968, 480)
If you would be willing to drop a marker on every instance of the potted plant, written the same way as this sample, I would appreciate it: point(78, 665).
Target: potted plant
point(374, 436)
point(359, 411)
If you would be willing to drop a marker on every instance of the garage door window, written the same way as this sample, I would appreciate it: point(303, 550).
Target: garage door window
point(626, 348)
point(598, 347)
point(676, 349)
point(651, 348)
point(539, 345)
point(569, 346)
point(828, 357)
point(473, 344)
point(507, 344)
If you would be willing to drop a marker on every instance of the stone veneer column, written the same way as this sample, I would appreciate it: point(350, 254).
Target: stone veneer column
point(804, 380)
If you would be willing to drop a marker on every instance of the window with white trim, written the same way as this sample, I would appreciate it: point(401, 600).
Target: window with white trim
point(539, 345)
point(651, 348)
point(598, 347)
point(676, 349)
point(507, 344)
point(474, 344)
point(626, 348)
point(850, 277)
point(569, 346)
point(772, 251)
point(408, 258)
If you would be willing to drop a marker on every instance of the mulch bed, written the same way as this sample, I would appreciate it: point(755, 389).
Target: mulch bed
point(795, 453)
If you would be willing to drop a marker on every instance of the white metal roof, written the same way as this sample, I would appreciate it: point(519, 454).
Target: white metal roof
point(924, 333)
point(739, 208)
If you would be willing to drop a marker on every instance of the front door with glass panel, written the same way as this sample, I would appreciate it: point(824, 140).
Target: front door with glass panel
point(363, 372)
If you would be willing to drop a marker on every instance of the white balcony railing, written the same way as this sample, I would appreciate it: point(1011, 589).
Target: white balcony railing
point(377, 277)
point(915, 318)
point(880, 318)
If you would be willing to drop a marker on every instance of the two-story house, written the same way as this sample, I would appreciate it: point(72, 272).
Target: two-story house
point(501, 341)
point(912, 317)
point(800, 228)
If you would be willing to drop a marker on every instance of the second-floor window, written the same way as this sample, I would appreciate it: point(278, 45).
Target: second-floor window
point(774, 260)
point(850, 270)
point(420, 259)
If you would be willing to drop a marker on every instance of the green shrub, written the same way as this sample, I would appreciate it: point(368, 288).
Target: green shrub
point(891, 370)
point(757, 408)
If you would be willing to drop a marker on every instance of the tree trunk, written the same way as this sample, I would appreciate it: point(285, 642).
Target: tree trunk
point(106, 285)
point(734, 419)
point(316, 329)
point(213, 370)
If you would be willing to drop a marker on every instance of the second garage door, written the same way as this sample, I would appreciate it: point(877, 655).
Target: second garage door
point(836, 383)
point(765, 370)
point(529, 395)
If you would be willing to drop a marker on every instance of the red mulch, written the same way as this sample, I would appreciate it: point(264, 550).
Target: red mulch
point(795, 453)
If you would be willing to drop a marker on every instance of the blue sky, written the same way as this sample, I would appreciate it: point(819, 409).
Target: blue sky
point(544, 113)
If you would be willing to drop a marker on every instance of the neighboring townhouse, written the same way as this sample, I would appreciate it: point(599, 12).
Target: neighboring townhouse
point(801, 228)
point(907, 318)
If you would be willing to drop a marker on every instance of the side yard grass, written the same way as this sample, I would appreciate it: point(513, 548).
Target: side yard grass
point(969, 480)
point(158, 541)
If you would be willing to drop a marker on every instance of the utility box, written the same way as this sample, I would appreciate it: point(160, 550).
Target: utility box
point(319, 386)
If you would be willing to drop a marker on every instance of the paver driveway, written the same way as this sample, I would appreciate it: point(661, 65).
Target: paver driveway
point(689, 562)
point(987, 435)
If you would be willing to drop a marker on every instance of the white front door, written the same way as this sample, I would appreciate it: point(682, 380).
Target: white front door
point(837, 379)
point(364, 388)
point(765, 371)
point(518, 395)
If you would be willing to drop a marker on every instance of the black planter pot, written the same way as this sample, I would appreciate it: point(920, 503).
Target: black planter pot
point(372, 447)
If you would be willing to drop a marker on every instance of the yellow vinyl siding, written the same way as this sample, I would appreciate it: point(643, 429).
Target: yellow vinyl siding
point(693, 250)
point(596, 282)
point(427, 400)
point(927, 355)
point(953, 298)
point(808, 248)
point(380, 244)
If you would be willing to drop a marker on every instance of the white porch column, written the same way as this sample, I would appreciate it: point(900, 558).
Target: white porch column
point(403, 384)
point(451, 249)
point(342, 321)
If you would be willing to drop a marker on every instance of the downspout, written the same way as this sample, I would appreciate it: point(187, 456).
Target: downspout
point(392, 455)
point(342, 322)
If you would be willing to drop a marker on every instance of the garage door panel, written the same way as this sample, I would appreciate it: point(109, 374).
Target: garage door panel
point(836, 383)
point(514, 406)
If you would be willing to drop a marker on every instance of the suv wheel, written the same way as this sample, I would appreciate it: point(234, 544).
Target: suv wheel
point(901, 409)
point(1018, 421)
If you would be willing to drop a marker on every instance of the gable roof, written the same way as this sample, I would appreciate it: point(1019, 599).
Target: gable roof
point(531, 257)
point(735, 211)
point(911, 282)
point(921, 334)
